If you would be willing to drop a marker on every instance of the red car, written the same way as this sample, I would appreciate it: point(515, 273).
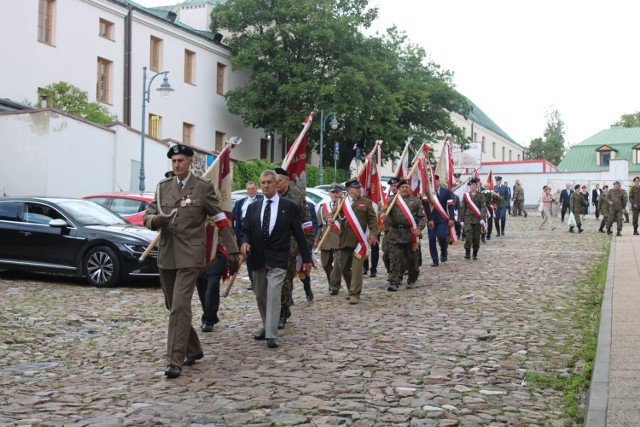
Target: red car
point(130, 206)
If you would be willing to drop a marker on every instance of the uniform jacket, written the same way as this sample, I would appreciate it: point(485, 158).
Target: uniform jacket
point(397, 225)
point(331, 242)
point(619, 199)
point(444, 195)
point(274, 252)
point(634, 197)
point(504, 192)
point(183, 243)
point(603, 205)
point(576, 202)
point(565, 195)
point(237, 214)
point(303, 214)
point(466, 214)
point(518, 193)
point(363, 210)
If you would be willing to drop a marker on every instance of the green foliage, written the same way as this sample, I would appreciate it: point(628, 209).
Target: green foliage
point(629, 120)
point(244, 172)
point(552, 146)
point(304, 55)
point(66, 97)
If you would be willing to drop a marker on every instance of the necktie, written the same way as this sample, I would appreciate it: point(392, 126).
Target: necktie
point(180, 185)
point(266, 219)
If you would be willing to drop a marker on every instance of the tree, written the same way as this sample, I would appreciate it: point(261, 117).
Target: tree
point(304, 55)
point(552, 146)
point(629, 120)
point(66, 97)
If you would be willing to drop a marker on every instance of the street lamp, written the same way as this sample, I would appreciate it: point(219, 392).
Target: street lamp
point(165, 89)
point(334, 125)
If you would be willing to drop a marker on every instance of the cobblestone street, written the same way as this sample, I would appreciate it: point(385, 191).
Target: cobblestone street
point(452, 351)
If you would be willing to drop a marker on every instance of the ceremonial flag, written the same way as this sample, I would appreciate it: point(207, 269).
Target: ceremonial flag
point(476, 174)
point(295, 162)
point(445, 165)
point(489, 184)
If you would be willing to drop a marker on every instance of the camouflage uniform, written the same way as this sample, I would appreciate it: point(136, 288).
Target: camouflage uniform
point(384, 246)
point(576, 203)
point(402, 257)
point(617, 200)
point(472, 226)
point(603, 207)
point(329, 248)
point(634, 199)
point(287, 287)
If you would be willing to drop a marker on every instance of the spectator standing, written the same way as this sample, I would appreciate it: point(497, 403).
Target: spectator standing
point(565, 197)
point(547, 201)
point(595, 199)
point(518, 199)
point(239, 212)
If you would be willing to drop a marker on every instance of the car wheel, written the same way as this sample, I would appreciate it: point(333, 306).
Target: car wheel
point(102, 267)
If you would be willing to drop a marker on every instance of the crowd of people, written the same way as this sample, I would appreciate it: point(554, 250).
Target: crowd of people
point(275, 234)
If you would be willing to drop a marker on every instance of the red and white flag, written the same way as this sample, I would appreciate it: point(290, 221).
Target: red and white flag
point(489, 184)
point(295, 162)
point(369, 177)
point(476, 174)
point(445, 165)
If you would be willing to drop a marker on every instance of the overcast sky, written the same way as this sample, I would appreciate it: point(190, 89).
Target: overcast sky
point(516, 60)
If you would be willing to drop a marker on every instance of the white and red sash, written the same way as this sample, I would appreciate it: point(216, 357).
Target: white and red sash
point(410, 219)
point(362, 250)
point(307, 227)
point(445, 216)
point(220, 220)
point(474, 208)
point(327, 215)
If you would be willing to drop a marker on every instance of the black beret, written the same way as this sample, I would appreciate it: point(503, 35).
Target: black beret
point(403, 182)
point(334, 188)
point(636, 178)
point(180, 149)
point(169, 174)
point(456, 175)
point(394, 180)
point(498, 178)
point(281, 171)
point(353, 183)
point(576, 187)
point(474, 180)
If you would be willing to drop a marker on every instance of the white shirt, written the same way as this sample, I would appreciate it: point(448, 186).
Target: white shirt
point(184, 182)
point(274, 211)
point(247, 201)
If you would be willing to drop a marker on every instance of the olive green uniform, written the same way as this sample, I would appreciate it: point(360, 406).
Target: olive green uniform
point(576, 202)
point(617, 202)
point(472, 225)
point(398, 235)
point(603, 207)
point(329, 248)
point(634, 199)
point(518, 200)
point(350, 264)
point(384, 246)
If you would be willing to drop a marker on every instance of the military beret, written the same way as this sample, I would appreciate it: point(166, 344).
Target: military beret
point(636, 178)
point(353, 183)
point(498, 178)
point(576, 187)
point(394, 180)
point(474, 180)
point(281, 171)
point(335, 188)
point(403, 182)
point(456, 175)
point(180, 149)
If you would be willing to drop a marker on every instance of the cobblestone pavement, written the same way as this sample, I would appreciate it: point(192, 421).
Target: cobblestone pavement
point(453, 351)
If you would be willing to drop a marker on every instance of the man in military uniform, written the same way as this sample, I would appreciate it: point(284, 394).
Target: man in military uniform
point(356, 210)
point(473, 215)
point(500, 214)
point(404, 225)
point(603, 207)
point(576, 203)
point(307, 226)
point(393, 189)
point(329, 248)
point(617, 199)
point(518, 199)
point(179, 210)
point(634, 199)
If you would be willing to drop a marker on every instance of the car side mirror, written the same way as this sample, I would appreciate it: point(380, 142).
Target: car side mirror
point(58, 223)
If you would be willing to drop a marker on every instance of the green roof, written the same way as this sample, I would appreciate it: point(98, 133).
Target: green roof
point(582, 157)
point(478, 116)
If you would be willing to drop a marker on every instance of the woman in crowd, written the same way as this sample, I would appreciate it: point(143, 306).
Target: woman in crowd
point(546, 201)
point(585, 194)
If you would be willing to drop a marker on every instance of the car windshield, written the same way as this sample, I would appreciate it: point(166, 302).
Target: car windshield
point(90, 213)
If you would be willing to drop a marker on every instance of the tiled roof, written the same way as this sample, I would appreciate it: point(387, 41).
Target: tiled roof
point(582, 157)
point(478, 116)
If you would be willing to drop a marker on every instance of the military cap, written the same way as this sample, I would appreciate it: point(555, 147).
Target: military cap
point(636, 178)
point(617, 182)
point(394, 180)
point(353, 183)
point(498, 178)
point(456, 175)
point(281, 171)
point(180, 149)
point(474, 180)
point(335, 188)
point(403, 182)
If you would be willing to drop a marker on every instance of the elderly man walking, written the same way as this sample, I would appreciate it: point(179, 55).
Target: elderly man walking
point(518, 199)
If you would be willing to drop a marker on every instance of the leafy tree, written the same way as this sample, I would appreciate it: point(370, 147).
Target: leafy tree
point(66, 97)
point(304, 55)
point(629, 120)
point(552, 146)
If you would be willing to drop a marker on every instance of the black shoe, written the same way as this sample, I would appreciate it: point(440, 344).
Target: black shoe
point(372, 274)
point(411, 285)
point(206, 327)
point(475, 257)
point(483, 239)
point(334, 292)
point(443, 258)
point(489, 237)
point(435, 264)
point(525, 214)
point(608, 231)
point(364, 272)
point(250, 288)
point(600, 230)
point(467, 254)
point(190, 360)
point(282, 321)
point(260, 335)
point(618, 234)
point(172, 371)
point(273, 343)
point(635, 233)
point(392, 288)
point(580, 230)
point(498, 234)
point(309, 296)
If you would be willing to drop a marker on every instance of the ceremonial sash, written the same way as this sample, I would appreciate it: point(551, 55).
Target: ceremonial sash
point(474, 208)
point(410, 219)
point(443, 214)
point(327, 215)
point(363, 247)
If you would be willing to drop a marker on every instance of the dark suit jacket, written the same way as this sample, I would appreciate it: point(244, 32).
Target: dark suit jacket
point(595, 195)
point(444, 195)
point(565, 196)
point(237, 215)
point(274, 252)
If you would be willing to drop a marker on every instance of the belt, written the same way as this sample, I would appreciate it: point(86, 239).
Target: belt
point(400, 227)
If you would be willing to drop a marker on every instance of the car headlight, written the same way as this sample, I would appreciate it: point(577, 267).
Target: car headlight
point(136, 249)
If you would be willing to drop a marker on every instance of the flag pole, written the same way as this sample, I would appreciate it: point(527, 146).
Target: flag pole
point(393, 202)
point(233, 278)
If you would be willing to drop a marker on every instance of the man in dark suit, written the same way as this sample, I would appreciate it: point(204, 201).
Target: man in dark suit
point(239, 212)
point(500, 214)
point(437, 224)
point(565, 197)
point(266, 232)
point(595, 196)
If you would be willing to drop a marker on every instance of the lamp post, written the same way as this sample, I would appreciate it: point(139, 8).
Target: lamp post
point(334, 125)
point(165, 89)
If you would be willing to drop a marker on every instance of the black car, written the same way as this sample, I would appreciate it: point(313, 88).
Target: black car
point(72, 236)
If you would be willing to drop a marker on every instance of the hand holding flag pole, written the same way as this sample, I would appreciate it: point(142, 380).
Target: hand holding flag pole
point(232, 278)
point(334, 217)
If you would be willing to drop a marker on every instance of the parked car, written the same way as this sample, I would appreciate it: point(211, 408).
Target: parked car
point(75, 237)
point(130, 206)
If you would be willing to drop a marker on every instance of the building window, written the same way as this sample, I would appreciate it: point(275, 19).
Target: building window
point(604, 157)
point(154, 126)
point(189, 66)
point(264, 148)
point(187, 133)
point(104, 79)
point(475, 137)
point(518, 157)
point(219, 143)
point(106, 29)
point(464, 131)
point(46, 12)
point(493, 150)
point(503, 154)
point(509, 155)
point(155, 50)
point(483, 150)
point(220, 79)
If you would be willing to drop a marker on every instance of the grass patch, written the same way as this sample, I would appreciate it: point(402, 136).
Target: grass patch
point(586, 314)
